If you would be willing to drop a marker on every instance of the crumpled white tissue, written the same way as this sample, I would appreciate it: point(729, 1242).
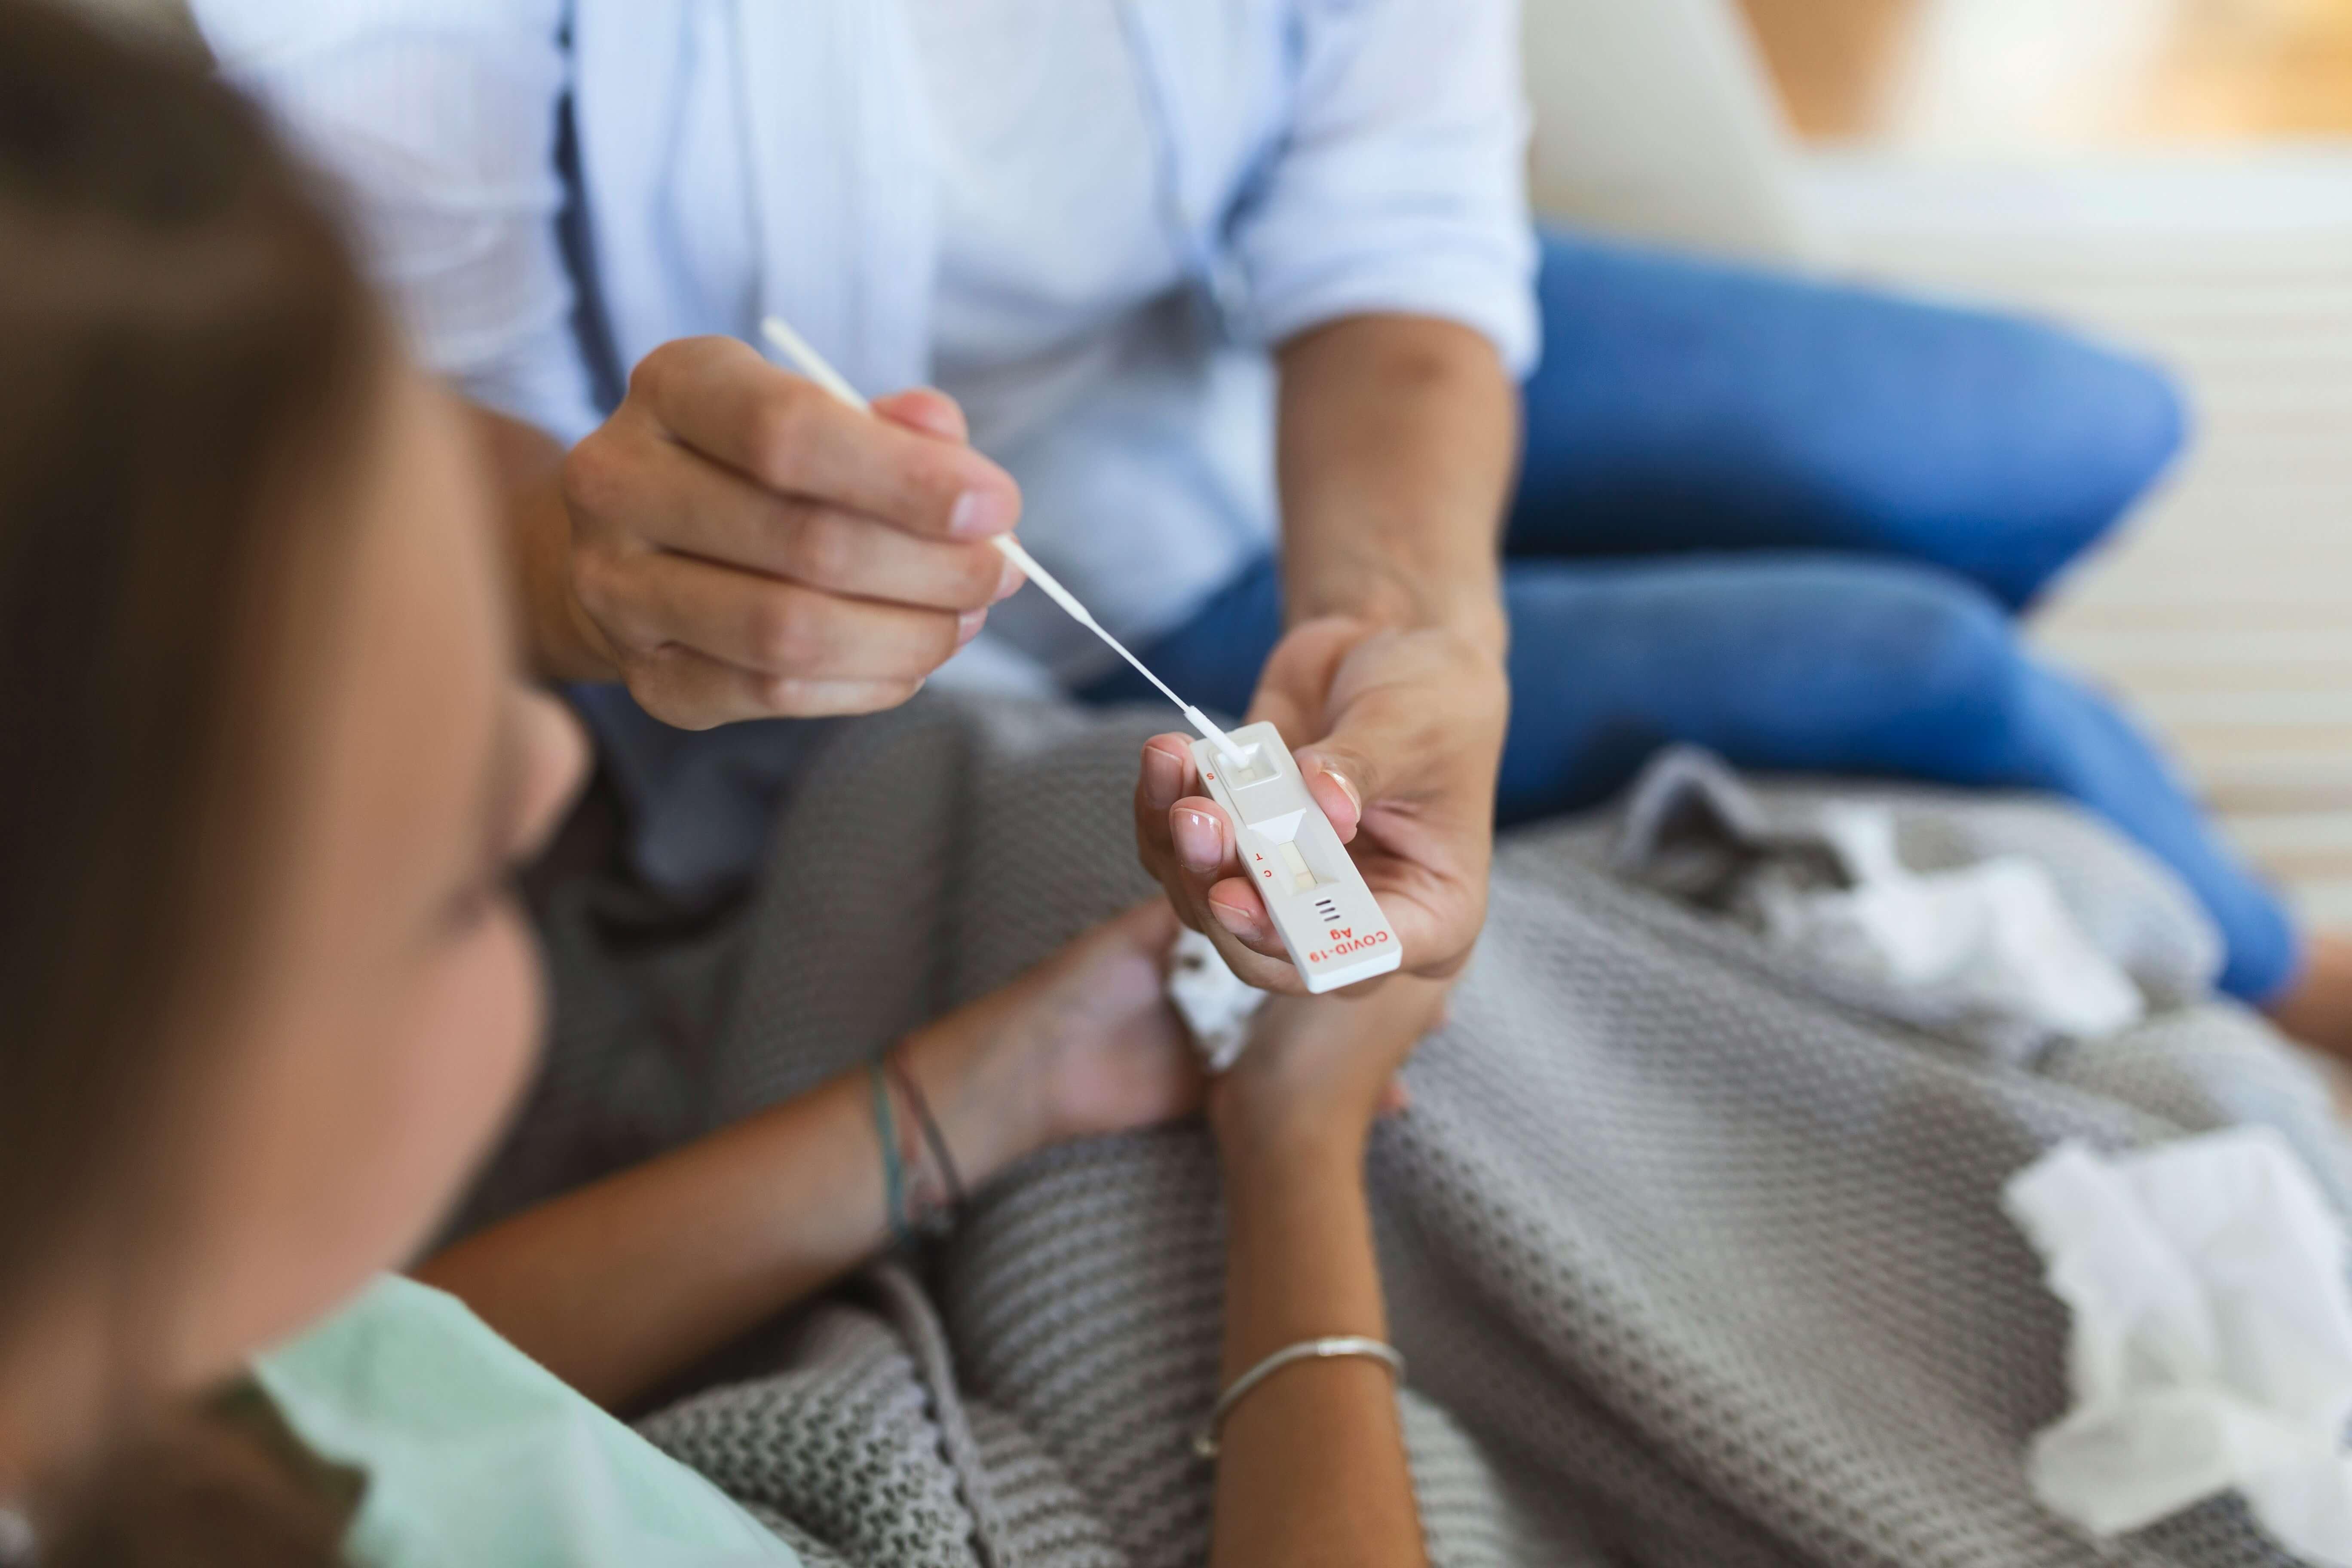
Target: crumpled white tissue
point(1987, 943)
point(2211, 1342)
point(1215, 1003)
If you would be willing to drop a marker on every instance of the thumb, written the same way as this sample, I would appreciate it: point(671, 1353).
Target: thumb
point(1353, 767)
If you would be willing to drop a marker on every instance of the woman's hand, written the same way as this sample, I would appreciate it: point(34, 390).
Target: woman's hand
point(1398, 732)
point(1396, 438)
point(1083, 1044)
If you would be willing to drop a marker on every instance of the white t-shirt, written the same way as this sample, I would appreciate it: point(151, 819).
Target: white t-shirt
point(1073, 360)
point(1041, 132)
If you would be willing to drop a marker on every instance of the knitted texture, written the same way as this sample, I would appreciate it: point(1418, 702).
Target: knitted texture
point(1693, 1264)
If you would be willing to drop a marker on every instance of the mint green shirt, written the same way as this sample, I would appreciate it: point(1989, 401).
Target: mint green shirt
point(477, 1456)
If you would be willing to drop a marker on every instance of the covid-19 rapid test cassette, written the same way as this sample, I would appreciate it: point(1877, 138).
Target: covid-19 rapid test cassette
point(1331, 923)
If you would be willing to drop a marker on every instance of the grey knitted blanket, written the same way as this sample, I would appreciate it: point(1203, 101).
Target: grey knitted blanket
point(1694, 1262)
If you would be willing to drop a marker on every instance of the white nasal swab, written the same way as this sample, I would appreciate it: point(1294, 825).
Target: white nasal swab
point(1079, 613)
point(811, 364)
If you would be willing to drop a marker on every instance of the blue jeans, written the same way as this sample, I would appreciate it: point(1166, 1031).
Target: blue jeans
point(1790, 522)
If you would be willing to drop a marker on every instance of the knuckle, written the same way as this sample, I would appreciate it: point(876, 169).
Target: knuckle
point(980, 570)
point(598, 581)
point(654, 680)
point(646, 684)
point(657, 375)
point(593, 473)
point(661, 368)
point(932, 482)
point(780, 696)
point(937, 641)
point(781, 422)
point(651, 375)
point(790, 696)
point(780, 633)
point(889, 695)
point(944, 636)
point(825, 552)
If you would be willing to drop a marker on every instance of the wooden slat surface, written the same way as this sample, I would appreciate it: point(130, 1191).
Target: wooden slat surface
point(1977, 73)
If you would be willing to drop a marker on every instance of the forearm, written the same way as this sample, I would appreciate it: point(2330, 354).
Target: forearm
point(1399, 437)
point(625, 1282)
point(1312, 1469)
point(527, 466)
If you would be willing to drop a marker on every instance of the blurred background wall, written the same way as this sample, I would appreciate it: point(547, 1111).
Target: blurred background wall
point(1970, 75)
point(2174, 174)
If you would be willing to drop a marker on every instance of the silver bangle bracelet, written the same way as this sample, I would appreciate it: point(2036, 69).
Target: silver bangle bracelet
point(1205, 1443)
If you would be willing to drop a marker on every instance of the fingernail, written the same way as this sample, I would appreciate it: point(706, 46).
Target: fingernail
point(968, 626)
point(1163, 778)
point(1347, 784)
point(1199, 843)
point(1008, 582)
point(1235, 923)
point(978, 514)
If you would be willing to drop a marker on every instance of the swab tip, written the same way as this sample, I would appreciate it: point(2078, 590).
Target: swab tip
point(1234, 755)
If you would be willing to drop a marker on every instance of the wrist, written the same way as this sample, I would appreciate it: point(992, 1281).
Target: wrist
point(986, 1085)
point(1299, 1253)
point(1270, 1138)
point(1466, 603)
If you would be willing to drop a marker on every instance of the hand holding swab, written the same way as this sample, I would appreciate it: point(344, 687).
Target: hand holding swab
point(811, 364)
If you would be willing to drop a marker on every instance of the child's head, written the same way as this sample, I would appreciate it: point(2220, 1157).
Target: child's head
point(262, 764)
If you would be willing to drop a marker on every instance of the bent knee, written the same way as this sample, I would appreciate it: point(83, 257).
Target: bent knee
point(1935, 647)
point(2070, 434)
point(2108, 424)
